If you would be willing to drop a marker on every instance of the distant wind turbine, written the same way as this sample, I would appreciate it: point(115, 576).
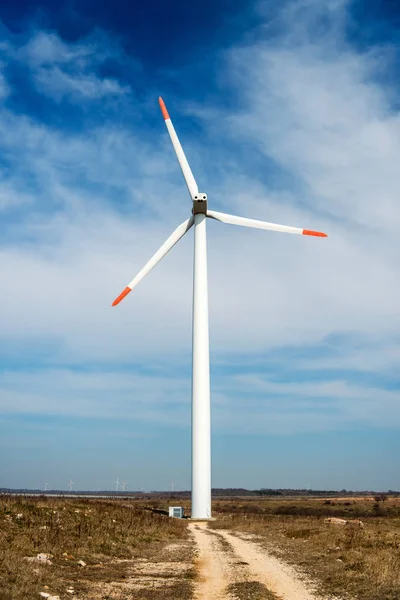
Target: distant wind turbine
point(201, 446)
point(46, 486)
point(70, 484)
point(124, 484)
point(117, 484)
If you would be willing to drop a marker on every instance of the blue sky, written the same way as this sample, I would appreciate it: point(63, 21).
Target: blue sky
point(288, 112)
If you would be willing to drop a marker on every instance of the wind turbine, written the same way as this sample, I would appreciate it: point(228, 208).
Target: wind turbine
point(124, 484)
point(117, 484)
point(70, 484)
point(201, 443)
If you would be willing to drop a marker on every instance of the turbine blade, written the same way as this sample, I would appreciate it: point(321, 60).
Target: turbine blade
point(161, 252)
point(232, 220)
point(186, 170)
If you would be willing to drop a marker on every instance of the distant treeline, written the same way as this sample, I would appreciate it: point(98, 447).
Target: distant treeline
point(300, 492)
point(216, 492)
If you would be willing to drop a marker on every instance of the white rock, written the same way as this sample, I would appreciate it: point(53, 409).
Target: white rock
point(335, 521)
point(81, 563)
point(42, 558)
point(45, 558)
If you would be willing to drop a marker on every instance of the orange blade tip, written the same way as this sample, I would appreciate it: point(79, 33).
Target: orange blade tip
point(121, 296)
point(163, 108)
point(316, 233)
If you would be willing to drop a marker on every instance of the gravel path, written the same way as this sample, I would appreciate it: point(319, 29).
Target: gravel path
point(230, 567)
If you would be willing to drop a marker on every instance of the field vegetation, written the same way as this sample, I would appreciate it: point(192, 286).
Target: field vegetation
point(117, 549)
point(98, 549)
point(358, 561)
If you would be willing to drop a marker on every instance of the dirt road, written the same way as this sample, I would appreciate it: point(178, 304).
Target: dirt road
point(233, 567)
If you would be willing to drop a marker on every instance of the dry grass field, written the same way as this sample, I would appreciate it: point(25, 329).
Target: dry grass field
point(347, 561)
point(130, 552)
point(126, 550)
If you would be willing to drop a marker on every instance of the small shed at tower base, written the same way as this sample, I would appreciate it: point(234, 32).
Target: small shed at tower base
point(176, 512)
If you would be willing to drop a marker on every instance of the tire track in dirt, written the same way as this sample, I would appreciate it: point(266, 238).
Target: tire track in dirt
point(226, 562)
point(279, 577)
point(211, 564)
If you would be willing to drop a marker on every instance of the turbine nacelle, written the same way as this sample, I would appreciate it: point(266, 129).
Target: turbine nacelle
point(199, 203)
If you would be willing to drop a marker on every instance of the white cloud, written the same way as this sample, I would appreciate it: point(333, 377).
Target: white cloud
point(314, 107)
point(251, 404)
point(58, 84)
point(46, 48)
point(62, 70)
point(12, 195)
point(241, 403)
point(4, 88)
point(63, 392)
point(332, 127)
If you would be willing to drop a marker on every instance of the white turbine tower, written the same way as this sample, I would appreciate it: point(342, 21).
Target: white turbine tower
point(201, 445)
point(117, 484)
point(70, 484)
point(123, 485)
